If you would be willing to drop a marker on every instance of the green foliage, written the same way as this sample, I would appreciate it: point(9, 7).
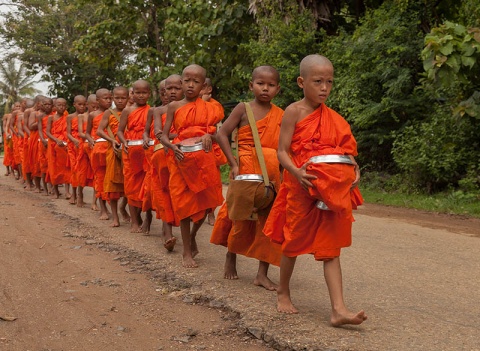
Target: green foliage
point(437, 152)
point(376, 74)
point(450, 58)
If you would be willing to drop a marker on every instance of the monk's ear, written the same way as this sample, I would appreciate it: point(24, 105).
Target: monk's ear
point(300, 82)
point(250, 85)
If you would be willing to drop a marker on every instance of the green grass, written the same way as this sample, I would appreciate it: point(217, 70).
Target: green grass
point(452, 202)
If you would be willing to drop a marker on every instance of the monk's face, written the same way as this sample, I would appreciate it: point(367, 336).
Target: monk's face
point(264, 86)
point(60, 106)
point(104, 100)
point(80, 105)
point(174, 90)
point(317, 83)
point(92, 105)
point(141, 93)
point(120, 98)
point(47, 106)
point(193, 82)
point(16, 106)
point(130, 96)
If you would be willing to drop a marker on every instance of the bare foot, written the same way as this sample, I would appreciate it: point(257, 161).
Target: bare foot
point(230, 268)
point(146, 227)
point(262, 280)
point(68, 196)
point(346, 317)
point(115, 224)
point(284, 304)
point(94, 207)
point(194, 247)
point(211, 218)
point(72, 201)
point(80, 203)
point(104, 217)
point(170, 244)
point(189, 262)
point(136, 230)
point(126, 218)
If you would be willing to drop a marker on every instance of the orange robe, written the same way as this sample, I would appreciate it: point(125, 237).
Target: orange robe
point(42, 149)
point(113, 183)
point(57, 156)
point(133, 168)
point(17, 144)
point(84, 171)
point(161, 199)
point(220, 157)
point(146, 192)
point(73, 152)
point(99, 159)
point(294, 220)
point(8, 152)
point(246, 237)
point(27, 165)
point(34, 146)
point(195, 184)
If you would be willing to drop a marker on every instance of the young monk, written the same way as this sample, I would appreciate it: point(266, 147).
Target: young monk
point(113, 183)
point(42, 120)
point(130, 132)
point(194, 177)
point(246, 237)
point(149, 142)
point(161, 200)
point(35, 143)
point(26, 160)
point(7, 144)
point(309, 131)
point(57, 154)
point(17, 136)
point(80, 104)
point(84, 169)
point(99, 147)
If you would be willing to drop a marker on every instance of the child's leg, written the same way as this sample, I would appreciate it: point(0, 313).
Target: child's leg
point(230, 268)
point(193, 236)
point(136, 219)
point(80, 202)
point(188, 261)
point(284, 302)
point(340, 314)
point(262, 278)
point(114, 206)
point(94, 202)
point(73, 199)
point(123, 210)
point(147, 223)
point(103, 210)
point(168, 238)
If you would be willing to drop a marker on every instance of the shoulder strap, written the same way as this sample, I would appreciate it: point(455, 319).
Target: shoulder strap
point(258, 145)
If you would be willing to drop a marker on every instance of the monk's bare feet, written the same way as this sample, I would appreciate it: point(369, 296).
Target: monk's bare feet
point(115, 224)
point(262, 280)
point(146, 227)
point(126, 218)
point(72, 201)
point(170, 244)
point(284, 303)
point(211, 218)
point(193, 245)
point(94, 207)
point(80, 203)
point(104, 217)
point(68, 196)
point(339, 318)
point(230, 268)
point(189, 262)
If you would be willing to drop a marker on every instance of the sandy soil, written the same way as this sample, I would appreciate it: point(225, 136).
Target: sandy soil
point(70, 282)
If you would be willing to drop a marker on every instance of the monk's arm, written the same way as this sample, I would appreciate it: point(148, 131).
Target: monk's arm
point(103, 125)
point(81, 132)
point(287, 129)
point(26, 115)
point(357, 171)
point(146, 131)
point(32, 121)
point(88, 132)
point(19, 125)
point(223, 136)
point(172, 107)
point(121, 128)
point(70, 137)
point(49, 131)
point(157, 122)
point(11, 123)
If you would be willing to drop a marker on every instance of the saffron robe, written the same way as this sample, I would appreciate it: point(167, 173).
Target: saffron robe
point(295, 221)
point(146, 191)
point(133, 168)
point(98, 159)
point(195, 184)
point(113, 182)
point(42, 149)
point(34, 145)
point(246, 237)
point(58, 155)
point(161, 199)
point(73, 152)
point(84, 169)
point(8, 160)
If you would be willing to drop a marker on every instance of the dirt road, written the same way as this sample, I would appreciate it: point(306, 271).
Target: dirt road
point(74, 283)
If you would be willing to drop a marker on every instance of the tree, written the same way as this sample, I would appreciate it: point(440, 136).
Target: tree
point(15, 82)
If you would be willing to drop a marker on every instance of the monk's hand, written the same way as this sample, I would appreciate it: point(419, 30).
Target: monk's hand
point(59, 142)
point(177, 152)
point(125, 147)
point(76, 143)
point(303, 177)
point(159, 134)
point(234, 171)
point(45, 143)
point(145, 143)
point(356, 170)
point(206, 142)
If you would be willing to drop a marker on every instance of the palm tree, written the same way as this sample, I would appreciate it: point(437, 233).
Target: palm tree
point(14, 83)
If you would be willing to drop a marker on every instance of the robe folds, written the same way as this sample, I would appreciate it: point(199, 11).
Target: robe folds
point(26, 163)
point(98, 159)
point(84, 171)
point(113, 182)
point(8, 152)
point(295, 221)
point(161, 199)
point(146, 191)
point(42, 149)
point(57, 156)
point(195, 184)
point(73, 152)
point(133, 161)
point(34, 145)
point(17, 145)
point(246, 237)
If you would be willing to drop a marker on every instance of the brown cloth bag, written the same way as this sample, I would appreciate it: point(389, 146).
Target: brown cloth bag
point(246, 200)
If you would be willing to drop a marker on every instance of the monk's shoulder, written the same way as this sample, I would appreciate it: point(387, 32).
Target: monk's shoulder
point(338, 118)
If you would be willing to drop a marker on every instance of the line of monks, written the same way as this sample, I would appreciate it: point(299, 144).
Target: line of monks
point(167, 160)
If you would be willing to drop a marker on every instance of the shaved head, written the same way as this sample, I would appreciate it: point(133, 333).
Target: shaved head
point(161, 85)
point(92, 98)
point(141, 83)
point(196, 68)
point(313, 60)
point(265, 69)
point(173, 78)
point(79, 98)
point(120, 88)
point(101, 91)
